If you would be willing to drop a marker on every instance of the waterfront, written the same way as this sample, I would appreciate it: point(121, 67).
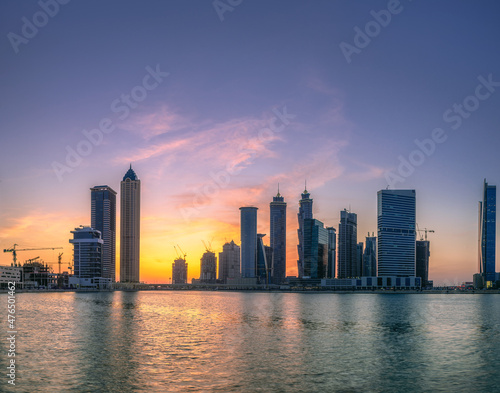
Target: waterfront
point(239, 341)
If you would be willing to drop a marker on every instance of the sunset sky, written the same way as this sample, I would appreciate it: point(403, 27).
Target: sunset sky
point(257, 93)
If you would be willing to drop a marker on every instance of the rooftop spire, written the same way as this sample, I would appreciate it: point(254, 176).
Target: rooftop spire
point(278, 195)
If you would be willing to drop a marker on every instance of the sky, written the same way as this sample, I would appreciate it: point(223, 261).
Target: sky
point(216, 102)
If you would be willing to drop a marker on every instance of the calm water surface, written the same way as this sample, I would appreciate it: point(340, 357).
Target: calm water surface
point(251, 342)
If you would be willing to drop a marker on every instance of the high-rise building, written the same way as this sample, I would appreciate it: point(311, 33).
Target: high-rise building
point(315, 247)
point(370, 257)
point(87, 252)
point(229, 262)
point(130, 229)
point(248, 223)
point(332, 252)
point(347, 244)
point(264, 258)
point(208, 268)
point(305, 211)
point(179, 271)
point(103, 219)
point(358, 270)
point(422, 261)
point(487, 233)
point(396, 232)
point(278, 238)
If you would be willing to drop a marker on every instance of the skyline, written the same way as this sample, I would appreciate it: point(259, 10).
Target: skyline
point(261, 97)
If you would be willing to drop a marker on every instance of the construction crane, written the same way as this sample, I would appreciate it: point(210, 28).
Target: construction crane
point(59, 261)
point(14, 251)
point(182, 252)
point(425, 230)
point(207, 248)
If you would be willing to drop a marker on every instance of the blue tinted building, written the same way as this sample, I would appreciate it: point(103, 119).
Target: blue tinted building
point(332, 252)
point(487, 232)
point(347, 244)
point(396, 232)
point(305, 212)
point(422, 261)
point(87, 252)
point(370, 257)
point(264, 258)
point(315, 246)
point(278, 238)
point(103, 219)
point(248, 231)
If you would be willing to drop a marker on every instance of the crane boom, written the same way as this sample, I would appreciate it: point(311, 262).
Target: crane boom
point(14, 251)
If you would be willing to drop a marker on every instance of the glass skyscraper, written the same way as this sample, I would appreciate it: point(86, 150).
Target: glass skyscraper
point(130, 227)
point(422, 257)
point(248, 228)
point(487, 232)
point(396, 232)
point(370, 257)
point(264, 257)
point(315, 249)
point(103, 219)
point(332, 252)
point(87, 252)
point(305, 211)
point(278, 238)
point(347, 244)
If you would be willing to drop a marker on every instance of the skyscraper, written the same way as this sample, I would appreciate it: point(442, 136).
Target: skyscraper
point(208, 267)
point(229, 262)
point(179, 271)
point(347, 244)
point(87, 252)
point(358, 271)
point(487, 233)
point(264, 257)
point(130, 229)
point(103, 219)
point(305, 211)
point(396, 232)
point(248, 224)
point(422, 261)
point(315, 246)
point(370, 257)
point(278, 238)
point(332, 252)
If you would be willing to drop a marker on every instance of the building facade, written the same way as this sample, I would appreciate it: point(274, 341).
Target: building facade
point(179, 271)
point(347, 244)
point(315, 248)
point(248, 228)
point(87, 252)
point(396, 232)
point(103, 218)
point(208, 267)
point(305, 212)
point(229, 262)
point(332, 252)
point(422, 261)
point(130, 227)
point(264, 258)
point(278, 238)
point(487, 233)
point(370, 257)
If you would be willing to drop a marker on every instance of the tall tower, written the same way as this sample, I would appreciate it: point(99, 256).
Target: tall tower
point(487, 233)
point(332, 252)
point(396, 232)
point(278, 238)
point(103, 219)
point(248, 242)
point(305, 211)
point(370, 257)
point(229, 262)
point(347, 244)
point(130, 228)
point(208, 267)
point(422, 261)
point(315, 249)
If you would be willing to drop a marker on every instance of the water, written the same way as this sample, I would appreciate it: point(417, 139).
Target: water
point(254, 342)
